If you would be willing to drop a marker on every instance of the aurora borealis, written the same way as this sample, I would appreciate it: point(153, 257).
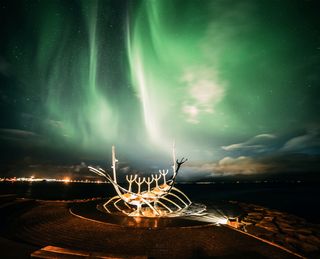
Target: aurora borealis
point(234, 83)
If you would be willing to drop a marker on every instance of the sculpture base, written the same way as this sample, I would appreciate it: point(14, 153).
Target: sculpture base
point(194, 209)
point(187, 218)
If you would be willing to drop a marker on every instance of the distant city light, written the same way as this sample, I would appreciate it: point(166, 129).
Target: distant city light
point(64, 180)
point(68, 179)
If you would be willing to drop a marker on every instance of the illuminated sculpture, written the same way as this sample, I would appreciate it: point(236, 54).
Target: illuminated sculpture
point(155, 200)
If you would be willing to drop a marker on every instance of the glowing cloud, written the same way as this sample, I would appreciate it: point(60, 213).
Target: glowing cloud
point(239, 165)
point(299, 143)
point(204, 92)
point(258, 143)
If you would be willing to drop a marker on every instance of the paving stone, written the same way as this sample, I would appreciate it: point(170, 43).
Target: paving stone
point(290, 231)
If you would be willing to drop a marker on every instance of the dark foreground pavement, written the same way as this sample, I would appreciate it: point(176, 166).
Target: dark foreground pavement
point(50, 223)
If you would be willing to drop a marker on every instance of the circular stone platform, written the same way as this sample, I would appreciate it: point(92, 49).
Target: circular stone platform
point(52, 224)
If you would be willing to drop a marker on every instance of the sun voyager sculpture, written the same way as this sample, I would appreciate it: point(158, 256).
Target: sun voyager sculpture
point(151, 196)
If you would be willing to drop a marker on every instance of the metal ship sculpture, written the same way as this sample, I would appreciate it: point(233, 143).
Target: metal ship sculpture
point(152, 196)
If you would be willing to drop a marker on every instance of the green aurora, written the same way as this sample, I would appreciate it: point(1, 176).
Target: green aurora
point(233, 83)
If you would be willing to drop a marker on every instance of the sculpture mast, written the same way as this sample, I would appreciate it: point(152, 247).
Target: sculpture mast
point(174, 157)
point(114, 161)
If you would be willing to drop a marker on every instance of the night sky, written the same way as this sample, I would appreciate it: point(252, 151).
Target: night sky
point(234, 83)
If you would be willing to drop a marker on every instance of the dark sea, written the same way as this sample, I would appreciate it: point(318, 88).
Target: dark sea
point(298, 198)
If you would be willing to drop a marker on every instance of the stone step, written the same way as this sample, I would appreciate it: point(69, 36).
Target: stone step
point(64, 253)
point(7, 197)
point(12, 202)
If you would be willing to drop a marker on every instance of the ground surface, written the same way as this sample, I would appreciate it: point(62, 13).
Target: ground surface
point(292, 232)
point(38, 224)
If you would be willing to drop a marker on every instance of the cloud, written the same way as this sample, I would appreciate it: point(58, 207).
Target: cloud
point(192, 113)
point(125, 169)
point(240, 165)
point(265, 136)
point(232, 166)
point(300, 154)
point(17, 134)
point(293, 163)
point(77, 168)
point(258, 143)
point(203, 94)
point(227, 26)
point(21, 138)
point(303, 142)
point(241, 146)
